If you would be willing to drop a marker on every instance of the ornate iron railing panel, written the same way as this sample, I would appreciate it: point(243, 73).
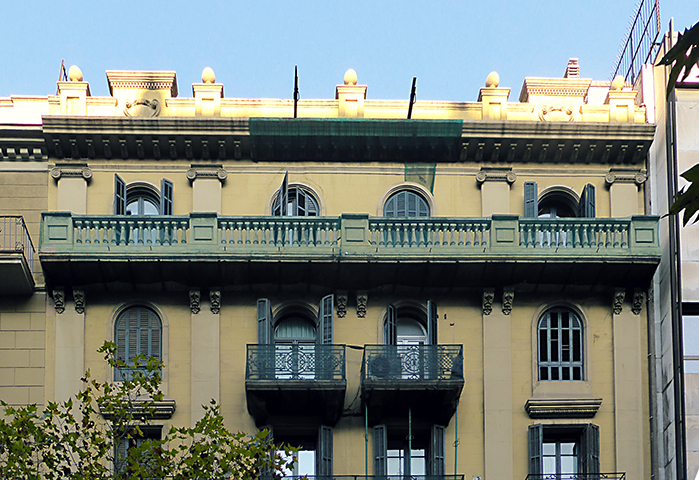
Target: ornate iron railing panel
point(455, 233)
point(412, 362)
point(295, 362)
point(577, 476)
point(578, 233)
point(14, 237)
point(280, 231)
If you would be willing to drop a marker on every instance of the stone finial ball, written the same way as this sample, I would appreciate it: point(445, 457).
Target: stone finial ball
point(75, 74)
point(493, 80)
point(618, 82)
point(350, 77)
point(208, 76)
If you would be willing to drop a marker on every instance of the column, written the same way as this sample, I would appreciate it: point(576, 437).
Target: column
point(206, 351)
point(70, 344)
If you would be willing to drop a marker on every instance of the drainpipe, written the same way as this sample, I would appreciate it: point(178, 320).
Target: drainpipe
point(366, 441)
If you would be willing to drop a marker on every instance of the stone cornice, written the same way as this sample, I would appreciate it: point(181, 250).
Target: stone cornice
point(562, 407)
point(135, 80)
point(554, 87)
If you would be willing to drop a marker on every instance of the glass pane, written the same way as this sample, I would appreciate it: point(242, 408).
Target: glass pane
point(417, 465)
point(690, 324)
point(306, 463)
point(394, 466)
point(567, 448)
point(569, 464)
point(549, 449)
point(549, 465)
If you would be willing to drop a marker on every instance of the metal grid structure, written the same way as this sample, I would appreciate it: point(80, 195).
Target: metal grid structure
point(641, 42)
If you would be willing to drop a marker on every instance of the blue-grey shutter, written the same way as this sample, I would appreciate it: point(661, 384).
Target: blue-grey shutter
point(432, 325)
point(166, 193)
point(390, 331)
point(324, 453)
point(531, 200)
point(589, 455)
point(380, 450)
point(326, 316)
point(536, 438)
point(119, 196)
point(264, 322)
point(437, 464)
point(586, 208)
point(284, 196)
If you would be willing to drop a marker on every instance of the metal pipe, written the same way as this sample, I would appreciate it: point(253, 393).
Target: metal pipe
point(456, 437)
point(366, 441)
point(408, 459)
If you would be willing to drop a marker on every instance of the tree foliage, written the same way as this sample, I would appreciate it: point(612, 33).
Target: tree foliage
point(80, 438)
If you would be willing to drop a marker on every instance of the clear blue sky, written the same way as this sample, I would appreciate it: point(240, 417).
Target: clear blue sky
point(451, 46)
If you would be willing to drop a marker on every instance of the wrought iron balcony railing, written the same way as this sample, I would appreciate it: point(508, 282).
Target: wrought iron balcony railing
point(14, 238)
point(577, 476)
point(295, 362)
point(350, 235)
point(412, 362)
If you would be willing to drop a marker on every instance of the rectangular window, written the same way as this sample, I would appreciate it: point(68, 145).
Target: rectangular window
point(393, 455)
point(690, 337)
point(563, 451)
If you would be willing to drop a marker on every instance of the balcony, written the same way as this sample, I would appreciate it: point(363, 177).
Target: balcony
point(427, 379)
point(576, 476)
point(295, 381)
point(354, 250)
point(16, 257)
point(374, 477)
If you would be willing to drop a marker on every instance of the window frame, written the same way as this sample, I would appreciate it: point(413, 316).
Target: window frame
point(586, 437)
point(560, 364)
point(122, 314)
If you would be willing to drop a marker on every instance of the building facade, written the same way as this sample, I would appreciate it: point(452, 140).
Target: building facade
point(463, 293)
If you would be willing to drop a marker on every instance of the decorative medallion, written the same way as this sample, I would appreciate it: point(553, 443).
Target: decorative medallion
point(142, 107)
point(556, 114)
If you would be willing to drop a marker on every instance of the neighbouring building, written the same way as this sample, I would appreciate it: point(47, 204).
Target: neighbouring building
point(461, 294)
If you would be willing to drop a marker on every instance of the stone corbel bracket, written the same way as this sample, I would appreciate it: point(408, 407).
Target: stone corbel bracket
point(619, 296)
point(72, 171)
point(639, 297)
point(625, 175)
point(209, 171)
point(562, 408)
point(508, 297)
point(341, 304)
point(496, 174)
point(362, 300)
point(195, 301)
point(215, 301)
point(488, 298)
point(59, 300)
point(79, 300)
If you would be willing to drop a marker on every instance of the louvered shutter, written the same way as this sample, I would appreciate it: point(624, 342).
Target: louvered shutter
point(132, 335)
point(586, 208)
point(390, 331)
point(326, 320)
point(166, 194)
point(531, 200)
point(437, 464)
point(432, 323)
point(589, 458)
point(324, 453)
point(119, 196)
point(264, 322)
point(536, 438)
point(284, 196)
point(122, 451)
point(380, 447)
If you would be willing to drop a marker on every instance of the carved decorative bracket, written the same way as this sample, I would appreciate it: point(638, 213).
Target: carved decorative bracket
point(362, 300)
point(208, 171)
point(79, 300)
point(508, 297)
point(341, 304)
point(496, 174)
point(77, 171)
point(215, 301)
point(59, 300)
point(639, 297)
point(488, 297)
point(625, 175)
point(619, 296)
point(195, 301)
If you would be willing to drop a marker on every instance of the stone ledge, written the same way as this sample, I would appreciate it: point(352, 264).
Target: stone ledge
point(562, 407)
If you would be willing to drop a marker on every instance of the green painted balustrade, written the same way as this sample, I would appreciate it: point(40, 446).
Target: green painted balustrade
point(350, 235)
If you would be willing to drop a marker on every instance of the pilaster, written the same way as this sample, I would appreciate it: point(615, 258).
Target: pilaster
point(205, 351)
point(623, 191)
point(495, 185)
point(72, 183)
point(206, 181)
point(69, 363)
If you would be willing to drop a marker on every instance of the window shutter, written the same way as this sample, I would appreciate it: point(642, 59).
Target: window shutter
point(390, 334)
point(437, 462)
point(380, 447)
point(431, 323)
point(119, 196)
point(536, 437)
point(531, 200)
point(326, 320)
point(266, 471)
point(166, 192)
point(324, 453)
point(586, 208)
point(284, 196)
point(589, 456)
point(264, 322)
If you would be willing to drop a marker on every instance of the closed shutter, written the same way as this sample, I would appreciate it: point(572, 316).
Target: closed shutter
point(380, 447)
point(531, 200)
point(324, 453)
point(431, 323)
point(264, 322)
point(166, 193)
point(586, 208)
point(119, 196)
point(284, 197)
point(390, 333)
point(589, 458)
point(437, 464)
point(536, 437)
point(326, 320)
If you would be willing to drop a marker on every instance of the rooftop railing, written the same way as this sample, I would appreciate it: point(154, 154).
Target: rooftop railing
point(412, 362)
point(14, 238)
point(295, 362)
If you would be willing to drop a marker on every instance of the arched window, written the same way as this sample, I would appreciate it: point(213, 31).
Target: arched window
point(294, 329)
point(560, 345)
point(142, 201)
point(557, 204)
point(137, 331)
point(406, 203)
point(141, 198)
point(300, 203)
